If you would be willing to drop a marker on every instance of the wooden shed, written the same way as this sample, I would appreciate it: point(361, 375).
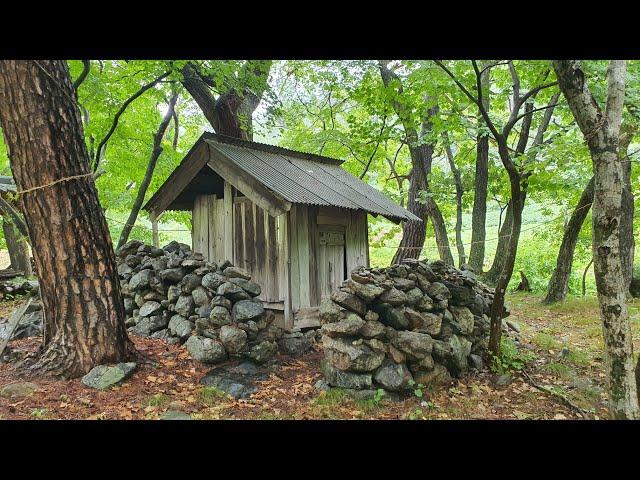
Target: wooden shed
point(296, 221)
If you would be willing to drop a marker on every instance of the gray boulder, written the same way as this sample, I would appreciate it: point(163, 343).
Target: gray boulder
point(236, 272)
point(263, 351)
point(346, 356)
point(246, 310)
point(149, 308)
point(205, 350)
point(251, 288)
point(415, 345)
point(220, 316)
point(180, 327)
point(394, 297)
point(330, 312)
point(105, 376)
point(201, 296)
point(185, 305)
point(233, 339)
point(349, 326)
point(340, 379)
point(394, 377)
point(349, 301)
point(462, 320)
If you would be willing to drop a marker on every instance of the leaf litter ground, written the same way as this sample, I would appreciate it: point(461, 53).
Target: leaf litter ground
point(562, 344)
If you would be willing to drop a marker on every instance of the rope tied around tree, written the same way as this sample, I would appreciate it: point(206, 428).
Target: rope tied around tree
point(55, 182)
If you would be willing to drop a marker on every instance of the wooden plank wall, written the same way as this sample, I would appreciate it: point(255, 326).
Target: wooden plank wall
point(208, 227)
point(304, 253)
point(357, 241)
point(255, 241)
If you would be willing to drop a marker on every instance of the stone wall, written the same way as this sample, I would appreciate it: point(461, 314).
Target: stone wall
point(172, 293)
point(414, 323)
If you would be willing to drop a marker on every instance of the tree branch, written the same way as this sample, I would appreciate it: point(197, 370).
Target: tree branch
point(116, 118)
point(83, 74)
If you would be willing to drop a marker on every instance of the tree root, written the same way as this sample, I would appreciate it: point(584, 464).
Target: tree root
point(563, 398)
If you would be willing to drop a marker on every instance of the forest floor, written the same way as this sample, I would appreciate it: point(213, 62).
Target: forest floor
point(558, 348)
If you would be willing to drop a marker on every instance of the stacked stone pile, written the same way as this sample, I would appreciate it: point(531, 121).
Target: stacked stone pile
point(408, 324)
point(173, 294)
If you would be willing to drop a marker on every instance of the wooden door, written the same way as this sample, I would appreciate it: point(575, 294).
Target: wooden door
point(330, 262)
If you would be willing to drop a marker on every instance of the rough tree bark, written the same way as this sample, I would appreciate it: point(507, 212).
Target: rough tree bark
point(559, 282)
point(151, 166)
point(84, 312)
point(421, 152)
point(231, 112)
point(479, 213)
point(601, 131)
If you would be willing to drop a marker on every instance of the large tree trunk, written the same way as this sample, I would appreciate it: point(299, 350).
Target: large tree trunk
point(151, 166)
point(559, 282)
point(414, 232)
point(18, 247)
point(479, 213)
point(84, 312)
point(601, 131)
point(231, 113)
point(421, 151)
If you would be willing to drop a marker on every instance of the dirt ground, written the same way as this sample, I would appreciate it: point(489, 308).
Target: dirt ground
point(558, 348)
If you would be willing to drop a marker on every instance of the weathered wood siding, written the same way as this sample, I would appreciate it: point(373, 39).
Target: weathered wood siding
point(319, 236)
point(255, 239)
point(236, 229)
point(297, 258)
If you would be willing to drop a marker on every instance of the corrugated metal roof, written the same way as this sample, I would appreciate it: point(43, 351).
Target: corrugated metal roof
point(301, 178)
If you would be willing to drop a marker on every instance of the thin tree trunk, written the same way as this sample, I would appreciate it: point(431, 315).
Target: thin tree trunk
point(479, 213)
point(500, 257)
point(584, 277)
point(18, 248)
point(84, 312)
point(601, 130)
point(459, 193)
point(440, 230)
point(517, 199)
point(627, 240)
point(151, 166)
point(559, 282)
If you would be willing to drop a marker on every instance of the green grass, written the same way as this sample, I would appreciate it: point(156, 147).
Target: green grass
point(211, 395)
point(546, 341)
point(158, 400)
point(559, 369)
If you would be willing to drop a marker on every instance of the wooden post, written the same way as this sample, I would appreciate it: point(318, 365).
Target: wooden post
point(154, 231)
point(228, 221)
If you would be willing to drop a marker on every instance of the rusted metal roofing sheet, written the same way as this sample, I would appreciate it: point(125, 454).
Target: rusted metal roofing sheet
point(301, 179)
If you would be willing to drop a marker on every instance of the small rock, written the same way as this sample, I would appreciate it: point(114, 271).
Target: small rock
point(102, 377)
point(175, 415)
point(236, 272)
point(18, 390)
